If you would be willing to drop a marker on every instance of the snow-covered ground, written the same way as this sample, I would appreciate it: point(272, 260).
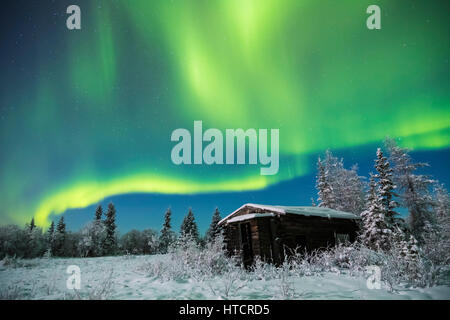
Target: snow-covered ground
point(127, 277)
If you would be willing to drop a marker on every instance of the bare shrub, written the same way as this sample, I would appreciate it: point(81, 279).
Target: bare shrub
point(285, 275)
point(102, 291)
point(14, 262)
point(11, 292)
point(223, 275)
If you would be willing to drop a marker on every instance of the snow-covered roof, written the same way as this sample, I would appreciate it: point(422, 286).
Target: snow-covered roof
point(250, 216)
point(282, 210)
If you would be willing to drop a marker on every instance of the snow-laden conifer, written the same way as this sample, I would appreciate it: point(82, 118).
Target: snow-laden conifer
point(375, 233)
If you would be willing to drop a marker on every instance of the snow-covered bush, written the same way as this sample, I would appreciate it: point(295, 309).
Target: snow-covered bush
point(404, 264)
point(21, 242)
point(187, 260)
point(284, 273)
point(228, 284)
point(140, 242)
point(92, 237)
point(261, 270)
point(47, 254)
point(14, 262)
point(11, 292)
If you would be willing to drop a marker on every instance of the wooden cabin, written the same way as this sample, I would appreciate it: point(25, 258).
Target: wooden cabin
point(271, 232)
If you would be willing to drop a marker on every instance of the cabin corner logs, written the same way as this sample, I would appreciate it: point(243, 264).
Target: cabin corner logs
point(273, 236)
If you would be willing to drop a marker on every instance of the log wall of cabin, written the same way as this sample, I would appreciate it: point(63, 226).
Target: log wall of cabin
point(259, 232)
point(268, 249)
point(319, 232)
point(255, 233)
point(232, 239)
point(271, 235)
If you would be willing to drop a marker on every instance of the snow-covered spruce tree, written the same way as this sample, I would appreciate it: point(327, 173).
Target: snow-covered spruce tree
point(410, 255)
point(151, 241)
point(414, 189)
point(92, 239)
point(32, 224)
point(325, 192)
point(34, 240)
point(71, 244)
point(85, 243)
point(403, 263)
point(189, 227)
point(351, 191)
point(375, 234)
point(29, 239)
point(339, 188)
point(110, 242)
point(167, 235)
point(97, 233)
point(60, 237)
point(12, 241)
point(385, 189)
point(214, 229)
point(50, 238)
point(406, 244)
point(99, 213)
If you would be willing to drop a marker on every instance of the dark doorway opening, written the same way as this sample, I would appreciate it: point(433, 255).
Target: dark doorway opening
point(246, 245)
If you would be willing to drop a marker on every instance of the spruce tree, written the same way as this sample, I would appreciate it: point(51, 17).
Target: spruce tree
point(99, 213)
point(374, 234)
point(167, 235)
point(60, 237)
point(379, 218)
point(415, 189)
point(385, 188)
point(32, 224)
point(351, 191)
point(189, 227)
point(214, 228)
point(29, 239)
point(405, 248)
point(339, 188)
point(97, 233)
point(110, 243)
point(51, 238)
point(325, 191)
point(61, 227)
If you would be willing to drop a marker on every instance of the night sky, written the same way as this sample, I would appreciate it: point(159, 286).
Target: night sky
point(86, 115)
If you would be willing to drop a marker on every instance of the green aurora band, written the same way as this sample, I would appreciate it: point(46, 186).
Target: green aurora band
point(101, 102)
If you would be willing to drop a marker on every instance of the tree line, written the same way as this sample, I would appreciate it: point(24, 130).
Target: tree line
point(395, 183)
point(100, 237)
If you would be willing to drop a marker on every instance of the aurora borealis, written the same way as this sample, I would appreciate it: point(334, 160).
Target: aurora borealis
point(87, 114)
